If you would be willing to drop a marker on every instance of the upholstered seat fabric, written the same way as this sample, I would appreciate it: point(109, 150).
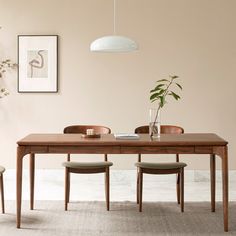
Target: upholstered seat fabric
point(161, 166)
point(87, 165)
point(2, 169)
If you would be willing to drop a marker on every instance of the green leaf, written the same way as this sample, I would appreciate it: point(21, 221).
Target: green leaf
point(158, 87)
point(154, 99)
point(162, 101)
point(179, 86)
point(176, 96)
point(174, 76)
point(157, 93)
point(163, 80)
point(153, 96)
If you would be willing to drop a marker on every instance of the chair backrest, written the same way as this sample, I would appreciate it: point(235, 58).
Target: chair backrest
point(81, 129)
point(165, 129)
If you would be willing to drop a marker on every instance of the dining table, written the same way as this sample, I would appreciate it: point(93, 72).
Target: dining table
point(187, 143)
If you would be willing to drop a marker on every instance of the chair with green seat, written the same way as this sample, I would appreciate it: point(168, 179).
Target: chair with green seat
point(2, 169)
point(86, 167)
point(161, 168)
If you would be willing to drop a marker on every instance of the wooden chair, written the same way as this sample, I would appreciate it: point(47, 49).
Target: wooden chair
point(2, 169)
point(161, 168)
point(86, 167)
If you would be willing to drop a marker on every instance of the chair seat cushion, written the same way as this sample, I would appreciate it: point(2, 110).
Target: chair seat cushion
point(87, 165)
point(2, 169)
point(161, 166)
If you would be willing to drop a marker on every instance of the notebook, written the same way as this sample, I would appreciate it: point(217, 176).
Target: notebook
point(126, 136)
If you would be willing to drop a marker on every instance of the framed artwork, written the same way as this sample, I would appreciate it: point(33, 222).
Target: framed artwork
point(37, 63)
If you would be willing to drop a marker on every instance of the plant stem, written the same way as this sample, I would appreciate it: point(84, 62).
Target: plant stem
point(159, 107)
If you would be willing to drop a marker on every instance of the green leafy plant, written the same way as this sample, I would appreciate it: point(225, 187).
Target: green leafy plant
point(162, 90)
point(5, 65)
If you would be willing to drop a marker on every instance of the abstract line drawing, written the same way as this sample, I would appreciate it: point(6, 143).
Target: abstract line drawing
point(37, 64)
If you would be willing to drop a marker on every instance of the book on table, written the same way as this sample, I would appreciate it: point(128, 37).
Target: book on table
point(126, 136)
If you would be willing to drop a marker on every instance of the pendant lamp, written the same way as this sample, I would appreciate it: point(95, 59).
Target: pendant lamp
point(113, 43)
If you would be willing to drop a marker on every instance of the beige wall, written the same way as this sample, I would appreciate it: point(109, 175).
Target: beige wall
point(195, 39)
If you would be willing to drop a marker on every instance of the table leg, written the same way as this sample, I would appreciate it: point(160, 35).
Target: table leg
point(2, 193)
point(213, 181)
point(19, 165)
point(32, 174)
point(225, 186)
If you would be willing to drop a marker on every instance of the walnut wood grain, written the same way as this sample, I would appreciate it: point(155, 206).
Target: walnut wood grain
point(168, 143)
point(213, 180)
point(82, 129)
point(109, 140)
point(32, 173)
point(2, 193)
point(165, 129)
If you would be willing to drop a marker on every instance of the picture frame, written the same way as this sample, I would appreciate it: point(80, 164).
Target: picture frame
point(37, 63)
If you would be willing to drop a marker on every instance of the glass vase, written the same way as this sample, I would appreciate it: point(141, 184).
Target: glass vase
point(155, 123)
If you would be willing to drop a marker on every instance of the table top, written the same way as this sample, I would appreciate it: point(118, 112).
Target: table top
point(187, 139)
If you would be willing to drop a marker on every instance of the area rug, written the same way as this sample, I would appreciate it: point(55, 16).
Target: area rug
point(91, 218)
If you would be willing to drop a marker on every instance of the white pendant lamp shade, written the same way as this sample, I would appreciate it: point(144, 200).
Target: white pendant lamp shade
point(113, 43)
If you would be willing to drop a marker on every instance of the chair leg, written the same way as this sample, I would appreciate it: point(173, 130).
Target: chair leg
point(107, 188)
point(105, 157)
point(178, 187)
point(137, 187)
point(67, 187)
point(2, 193)
point(182, 189)
point(140, 189)
point(68, 192)
point(177, 182)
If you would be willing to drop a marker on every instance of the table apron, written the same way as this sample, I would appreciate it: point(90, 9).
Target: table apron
point(204, 149)
point(85, 149)
point(157, 150)
point(101, 149)
point(168, 150)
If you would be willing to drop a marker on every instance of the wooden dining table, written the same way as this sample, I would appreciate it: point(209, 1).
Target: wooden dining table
point(188, 143)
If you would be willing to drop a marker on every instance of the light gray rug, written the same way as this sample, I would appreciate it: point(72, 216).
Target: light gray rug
point(91, 218)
